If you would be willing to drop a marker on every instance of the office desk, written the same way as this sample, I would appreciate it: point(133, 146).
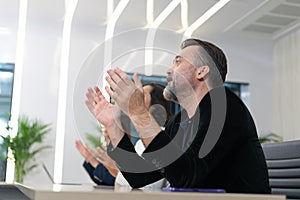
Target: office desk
point(89, 193)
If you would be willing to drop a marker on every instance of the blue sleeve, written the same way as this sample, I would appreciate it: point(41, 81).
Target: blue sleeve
point(90, 170)
point(103, 175)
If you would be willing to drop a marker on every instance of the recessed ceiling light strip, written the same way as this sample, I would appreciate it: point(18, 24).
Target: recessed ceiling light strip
point(109, 40)
point(109, 9)
point(184, 14)
point(63, 90)
point(16, 96)
point(203, 18)
point(150, 10)
point(151, 35)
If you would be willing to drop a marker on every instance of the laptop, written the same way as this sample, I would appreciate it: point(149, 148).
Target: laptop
point(51, 178)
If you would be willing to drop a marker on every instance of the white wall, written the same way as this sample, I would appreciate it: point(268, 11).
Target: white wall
point(40, 83)
point(249, 61)
point(286, 86)
point(8, 39)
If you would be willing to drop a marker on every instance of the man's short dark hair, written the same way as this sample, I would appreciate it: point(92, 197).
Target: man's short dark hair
point(216, 54)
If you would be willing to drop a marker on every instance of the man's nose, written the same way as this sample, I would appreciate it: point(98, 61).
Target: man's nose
point(170, 70)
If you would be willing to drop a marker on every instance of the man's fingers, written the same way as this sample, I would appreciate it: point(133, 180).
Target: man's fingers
point(98, 94)
point(114, 77)
point(110, 92)
point(96, 99)
point(78, 142)
point(97, 90)
point(90, 95)
point(123, 76)
point(111, 83)
point(99, 159)
point(90, 106)
point(137, 81)
point(101, 149)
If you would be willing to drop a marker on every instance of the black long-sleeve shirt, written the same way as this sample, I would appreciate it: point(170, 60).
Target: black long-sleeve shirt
point(216, 148)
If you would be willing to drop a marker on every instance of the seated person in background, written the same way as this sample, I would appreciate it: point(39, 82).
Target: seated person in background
point(211, 143)
point(101, 168)
point(96, 170)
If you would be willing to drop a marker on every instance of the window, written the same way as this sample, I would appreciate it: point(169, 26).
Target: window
point(6, 87)
point(159, 80)
point(240, 89)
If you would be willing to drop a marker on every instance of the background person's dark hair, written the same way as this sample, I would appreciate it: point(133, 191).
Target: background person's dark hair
point(157, 97)
point(216, 54)
point(162, 114)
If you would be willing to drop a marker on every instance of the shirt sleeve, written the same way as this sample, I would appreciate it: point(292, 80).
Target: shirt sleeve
point(101, 173)
point(90, 170)
point(136, 170)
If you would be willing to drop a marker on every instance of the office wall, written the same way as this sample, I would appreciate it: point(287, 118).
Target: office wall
point(249, 61)
point(8, 36)
point(286, 86)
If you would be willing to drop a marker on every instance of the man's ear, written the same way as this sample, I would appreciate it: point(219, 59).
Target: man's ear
point(202, 72)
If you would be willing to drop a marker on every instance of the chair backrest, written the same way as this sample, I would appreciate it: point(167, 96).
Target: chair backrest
point(283, 161)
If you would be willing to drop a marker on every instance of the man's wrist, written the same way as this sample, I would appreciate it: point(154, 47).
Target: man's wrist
point(146, 126)
point(93, 162)
point(115, 135)
point(141, 119)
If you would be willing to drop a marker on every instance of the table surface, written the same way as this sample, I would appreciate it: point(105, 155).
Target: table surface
point(89, 192)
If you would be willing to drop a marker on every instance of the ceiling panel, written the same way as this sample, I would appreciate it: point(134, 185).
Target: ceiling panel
point(287, 10)
point(133, 16)
point(293, 1)
point(9, 12)
point(196, 8)
point(225, 19)
point(43, 11)
point(173, 21)
point(261, 28)
point(275, 20)
point(90, 13)
point(159, 6)
point(238, 16)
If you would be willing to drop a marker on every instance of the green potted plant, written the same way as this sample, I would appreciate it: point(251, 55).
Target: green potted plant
point(23, 146)
point(97, 140)
point(270, 137)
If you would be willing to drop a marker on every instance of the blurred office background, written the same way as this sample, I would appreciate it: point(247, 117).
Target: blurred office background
point(51, 50)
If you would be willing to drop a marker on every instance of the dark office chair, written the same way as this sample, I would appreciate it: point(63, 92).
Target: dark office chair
point(283, 161)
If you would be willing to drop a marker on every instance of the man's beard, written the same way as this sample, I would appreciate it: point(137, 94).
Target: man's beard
point(170, 93)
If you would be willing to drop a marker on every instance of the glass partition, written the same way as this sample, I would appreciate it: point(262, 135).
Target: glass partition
point(6, 86)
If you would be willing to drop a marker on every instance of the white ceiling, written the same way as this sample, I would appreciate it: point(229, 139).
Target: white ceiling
point(261, 18)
